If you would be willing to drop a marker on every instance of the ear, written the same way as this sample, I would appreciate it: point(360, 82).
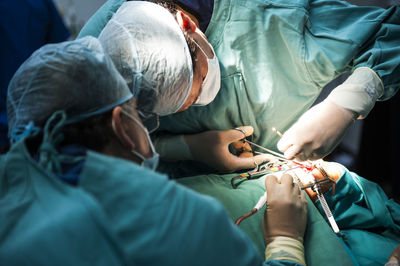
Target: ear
point(118, 128)
point(185, 22)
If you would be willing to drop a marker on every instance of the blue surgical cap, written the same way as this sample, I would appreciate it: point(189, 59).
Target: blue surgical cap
point(150, 51)
point(77, 77)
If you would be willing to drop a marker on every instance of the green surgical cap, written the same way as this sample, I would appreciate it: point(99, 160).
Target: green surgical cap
point(150, 51)
point(74, 76)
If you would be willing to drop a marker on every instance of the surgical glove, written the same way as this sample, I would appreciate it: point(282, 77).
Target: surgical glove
point(286, 212)
point(321, 128)
point(317, 132)
point(212, 148)
point(334, 172)
point(359, 92)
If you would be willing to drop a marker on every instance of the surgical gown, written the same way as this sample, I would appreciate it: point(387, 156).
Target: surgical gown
point(118, 214)
point(275, 58)
point(369, 222)
point(277, 55)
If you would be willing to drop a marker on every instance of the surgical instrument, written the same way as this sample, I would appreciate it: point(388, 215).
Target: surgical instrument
point(277, 132)
point(316, 187)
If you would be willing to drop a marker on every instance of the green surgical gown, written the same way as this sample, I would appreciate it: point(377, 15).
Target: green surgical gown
point(118, 214)
point(277, 55)
point(369, 222)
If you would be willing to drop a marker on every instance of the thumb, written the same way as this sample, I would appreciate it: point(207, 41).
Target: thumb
point(238, 133)
point(259, 159)
point(292, 151)
point(284, 143)
point(250, 162)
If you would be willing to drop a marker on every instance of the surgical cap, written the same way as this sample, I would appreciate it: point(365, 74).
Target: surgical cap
point(150, 51)
point(75, 76)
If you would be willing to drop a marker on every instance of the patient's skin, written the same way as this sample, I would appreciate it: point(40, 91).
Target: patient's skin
point(333, 171)
point(395, 256)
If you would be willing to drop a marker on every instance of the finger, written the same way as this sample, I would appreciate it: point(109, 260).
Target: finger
point(284, 143)
point(303, 196)
point(241, 145)
point(248, 162)
point(261, 158)
point(320, 170)
point(302, 156)
point(246, 154)
point(297, 190)
point(292, 152)
point(239, 133)
point(271, 181)
point(303, 199)
point(272, 187)
point(317, 174)
point(287, 180)
point(248, 129)
point(246, 146)
point(238, 145)
point(333, 170)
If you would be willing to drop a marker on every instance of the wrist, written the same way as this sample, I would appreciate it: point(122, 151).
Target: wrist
point(359, 92)
point(286, 248)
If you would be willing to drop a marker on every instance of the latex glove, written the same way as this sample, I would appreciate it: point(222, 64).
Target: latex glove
point(320, 129)
point(317, 132)
point(286, 212)
point(334, 172)
point(212, 148)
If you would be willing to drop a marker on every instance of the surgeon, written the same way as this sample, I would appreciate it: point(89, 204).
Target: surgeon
point(171, 72)
point(264, 63)
point(77, 185)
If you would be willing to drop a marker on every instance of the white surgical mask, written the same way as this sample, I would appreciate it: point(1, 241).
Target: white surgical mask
point(211, 83)
point(152, 162)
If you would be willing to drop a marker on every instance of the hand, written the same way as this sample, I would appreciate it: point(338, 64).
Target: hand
point(212, 148)
point(286, 212)
point(317, 132)
point(334, 172)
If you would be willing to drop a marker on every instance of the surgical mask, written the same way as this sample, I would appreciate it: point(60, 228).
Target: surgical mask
point(152, 162)
point(211, 83)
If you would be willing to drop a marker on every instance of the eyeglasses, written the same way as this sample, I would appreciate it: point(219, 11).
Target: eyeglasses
point(150, 120)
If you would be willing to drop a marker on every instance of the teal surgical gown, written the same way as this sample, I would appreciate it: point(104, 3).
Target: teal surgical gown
point(369, 222)
point(277, 55)
point(118, 214)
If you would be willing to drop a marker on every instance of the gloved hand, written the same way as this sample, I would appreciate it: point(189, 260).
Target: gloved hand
point(286, 212)
point(317, 132)
point(212, 148)
point(320, 129)
point(334, 172)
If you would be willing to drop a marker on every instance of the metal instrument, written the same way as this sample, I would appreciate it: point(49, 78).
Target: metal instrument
point(280, 164)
